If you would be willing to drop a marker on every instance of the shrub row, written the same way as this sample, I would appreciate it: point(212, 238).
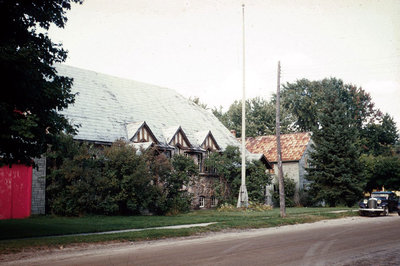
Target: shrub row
point(117, 180)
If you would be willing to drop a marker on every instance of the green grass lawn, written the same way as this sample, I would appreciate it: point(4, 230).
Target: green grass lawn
point(17, 234)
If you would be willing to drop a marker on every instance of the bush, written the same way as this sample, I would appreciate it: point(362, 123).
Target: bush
point(228, 168)
point(290, 190)
point(178, 199)
point(70, 189)
point(253, 206)
point(226, 207)
point(306, 200)
point(115, 180)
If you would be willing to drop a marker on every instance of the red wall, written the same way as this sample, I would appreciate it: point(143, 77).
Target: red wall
point(15, 191)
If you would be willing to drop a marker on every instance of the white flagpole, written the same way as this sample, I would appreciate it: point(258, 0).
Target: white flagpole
point(243, 200)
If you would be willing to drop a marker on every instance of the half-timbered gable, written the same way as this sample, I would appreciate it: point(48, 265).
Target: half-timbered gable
point(206, 144)
point(140, 132)
point(176, 137)
point(209, 143)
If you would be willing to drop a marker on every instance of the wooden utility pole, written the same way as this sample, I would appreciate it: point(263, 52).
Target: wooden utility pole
point(278, 145)
point(243, 199)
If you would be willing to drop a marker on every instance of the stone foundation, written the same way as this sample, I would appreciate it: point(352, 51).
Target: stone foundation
point(203, 187)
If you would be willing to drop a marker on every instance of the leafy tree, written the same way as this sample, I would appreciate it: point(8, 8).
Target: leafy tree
point(63, 147)
point(256, 181)
point(301, 100)
point(70, 187)
point(29, 115)
point(290, 191)
point(260, 118)
point(381, 171)
point(335, 167)
point(232, 118)
point(379, 139)
point(176, 198)
point(127, 177)
point(219, 113)
point(228, 168)
point(305, 99)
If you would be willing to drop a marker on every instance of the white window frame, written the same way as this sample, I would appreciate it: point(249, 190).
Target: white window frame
point(202, 201)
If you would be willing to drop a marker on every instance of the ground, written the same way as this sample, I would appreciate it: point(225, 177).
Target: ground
point(348, 241)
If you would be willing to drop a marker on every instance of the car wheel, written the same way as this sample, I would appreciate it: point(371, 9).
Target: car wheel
point(386, 211)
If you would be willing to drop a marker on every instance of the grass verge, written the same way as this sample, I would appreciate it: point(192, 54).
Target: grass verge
point(17, 235)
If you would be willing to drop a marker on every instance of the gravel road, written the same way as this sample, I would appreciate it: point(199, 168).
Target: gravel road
point(348, 241)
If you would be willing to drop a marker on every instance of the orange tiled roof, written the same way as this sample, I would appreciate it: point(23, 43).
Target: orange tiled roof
point(293, 146)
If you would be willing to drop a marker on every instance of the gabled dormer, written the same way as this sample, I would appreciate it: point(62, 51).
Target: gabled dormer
point(206, 141)
point(175, 136)
point(140, 132)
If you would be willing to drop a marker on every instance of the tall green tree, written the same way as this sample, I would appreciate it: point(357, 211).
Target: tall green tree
point(260, 118)
point(305, 99)
point(381, 171)
point(335, 167)
point(301, 99)
point(33, 93)
point(380, 138)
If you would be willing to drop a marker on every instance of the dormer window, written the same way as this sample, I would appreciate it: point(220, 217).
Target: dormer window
point(209, 142)
point(140, 132)
point(176, 137)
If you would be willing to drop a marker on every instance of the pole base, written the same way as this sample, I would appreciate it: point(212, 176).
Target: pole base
point(243, 199)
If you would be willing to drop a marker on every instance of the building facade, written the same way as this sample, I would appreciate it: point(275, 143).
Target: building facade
point(295, 154)
point(109, 108)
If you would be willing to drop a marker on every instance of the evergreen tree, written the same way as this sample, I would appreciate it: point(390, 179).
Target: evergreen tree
point(334, 165)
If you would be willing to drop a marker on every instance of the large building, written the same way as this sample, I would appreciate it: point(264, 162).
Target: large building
point(109, 108)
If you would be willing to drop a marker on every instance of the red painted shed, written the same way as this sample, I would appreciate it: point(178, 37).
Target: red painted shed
point(15, 191)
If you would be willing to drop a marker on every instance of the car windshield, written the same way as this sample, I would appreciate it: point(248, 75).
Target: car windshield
point(380, 196)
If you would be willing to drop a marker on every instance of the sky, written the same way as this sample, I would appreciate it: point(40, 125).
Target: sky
point(195, 47)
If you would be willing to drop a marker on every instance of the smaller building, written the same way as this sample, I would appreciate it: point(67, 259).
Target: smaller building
point(295, 154)
point(22, 190)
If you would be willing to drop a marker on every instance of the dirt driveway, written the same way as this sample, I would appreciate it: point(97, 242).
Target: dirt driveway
point(348, 241)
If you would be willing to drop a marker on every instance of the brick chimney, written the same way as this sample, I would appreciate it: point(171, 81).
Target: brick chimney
point(233, 132)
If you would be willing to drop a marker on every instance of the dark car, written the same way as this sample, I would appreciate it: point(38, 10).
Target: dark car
point(380, 202)
point(398, 209)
